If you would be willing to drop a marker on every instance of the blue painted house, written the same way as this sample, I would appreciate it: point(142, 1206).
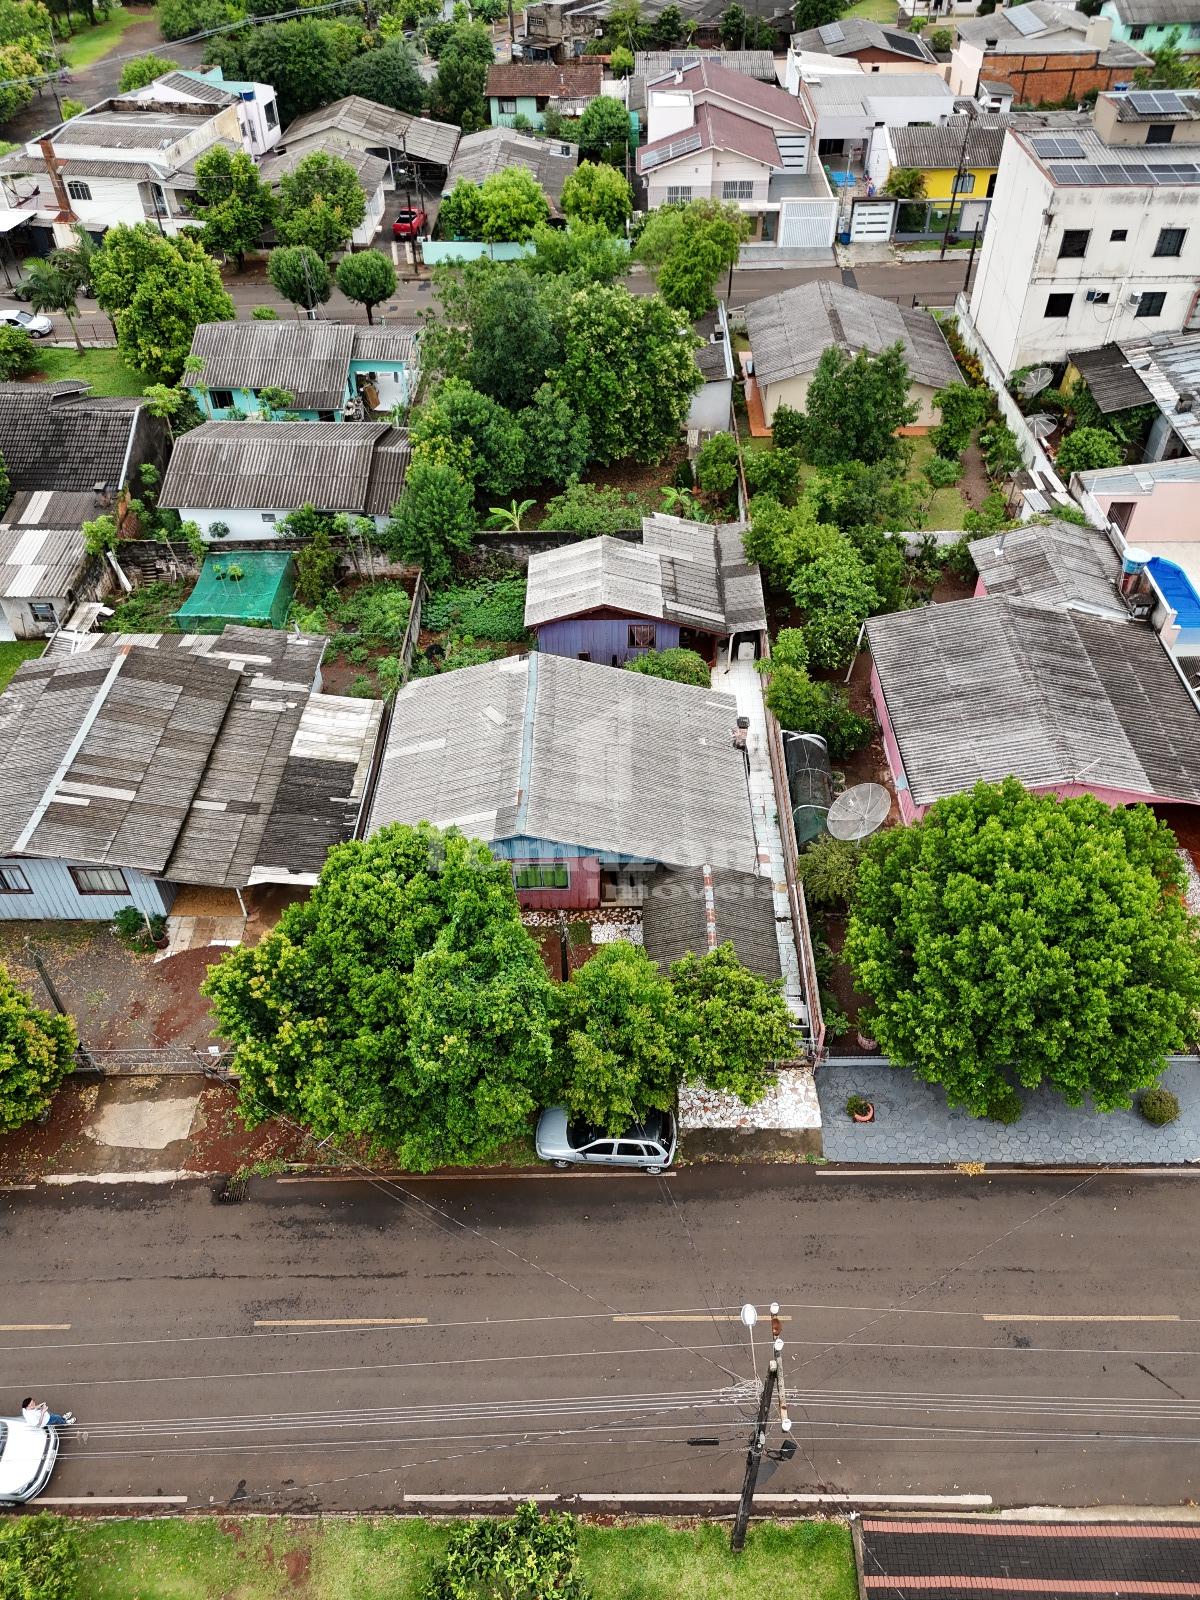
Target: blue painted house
point(1150, 24)
point(609, 600)
point(524, 89)
point(334, 372)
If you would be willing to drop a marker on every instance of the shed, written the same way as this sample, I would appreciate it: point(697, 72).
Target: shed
point(259, 597)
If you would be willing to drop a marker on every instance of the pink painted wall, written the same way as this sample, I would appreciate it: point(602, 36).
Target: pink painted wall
point(980, 589)
point(1171, 512)
point(908, 810)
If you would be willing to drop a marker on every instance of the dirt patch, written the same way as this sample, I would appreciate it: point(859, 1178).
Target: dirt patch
point(840, 986)
point(974, 485)
point(35, 1149)
point(185, 1017)
point(221, 1142)
point(296, 1564)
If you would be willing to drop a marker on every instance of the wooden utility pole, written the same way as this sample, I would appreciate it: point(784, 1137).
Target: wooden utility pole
point(758, 1439)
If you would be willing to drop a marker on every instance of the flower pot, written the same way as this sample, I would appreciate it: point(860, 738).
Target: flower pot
point(864, 1116)
point(865, 1042)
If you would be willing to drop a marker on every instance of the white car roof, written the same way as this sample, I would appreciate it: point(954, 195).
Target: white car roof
point(21, 1455)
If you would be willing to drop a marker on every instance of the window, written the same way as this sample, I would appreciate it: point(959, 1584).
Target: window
point(1159, 133)
point(78, 190)
point(1118, 236)
point(271, 114)
point(964, 183)
point(991, 188)
point(584, 655)
point(628, 1149)
point(508, 108)
point(554, 876)
point(641, 635)
point(1170, 241)
point(679, 194)
point(99, 880)
point(1138, 32)
point(1151, 305)
point(1100, 297)
point(1058, 305)
point(42, 611)
point(221, 399)
point(13, 881)
point(1121, 512)
point(737, 189)
point(268, 516)
point(1074, 244)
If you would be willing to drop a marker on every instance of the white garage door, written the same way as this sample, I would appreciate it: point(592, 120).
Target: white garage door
point(871, 221)
point(807, 224)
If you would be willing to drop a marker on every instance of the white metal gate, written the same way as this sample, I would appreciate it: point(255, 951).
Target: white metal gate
point(871, 221)
point(807, 224)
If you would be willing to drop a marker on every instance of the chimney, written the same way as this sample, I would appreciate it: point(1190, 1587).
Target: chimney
point(54, 173)
point(1098, 33)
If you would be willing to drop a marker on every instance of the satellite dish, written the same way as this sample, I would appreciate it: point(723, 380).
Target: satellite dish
point(859, 811)
point(1035, 381)
point(1042, 424)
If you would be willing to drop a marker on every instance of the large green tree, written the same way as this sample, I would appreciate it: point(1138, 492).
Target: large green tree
point(557, 441)
point(233, 202)
point(1015, 939)
point(513, 205)
point(435, 518)
point(1085, 449)
point(402, 1003)
point(459, 423)
point(37, 1050)
point(157, 291)
point(579, 254)
point(300, 275)
point(687, 247)
point(596, 192)
point(855, 404)
point(143, 70)
point(456, 94)
point(603, 132)
point(730, 1024)
point(628, 369)
point(306, 60)
point(366, 277)
point(321, 203)
point(512, 340)
point(390, 76)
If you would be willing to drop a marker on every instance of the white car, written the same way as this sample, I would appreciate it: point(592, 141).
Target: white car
point(37, 327)
point(27, 1457)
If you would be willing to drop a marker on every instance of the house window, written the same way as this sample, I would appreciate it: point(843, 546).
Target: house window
point(1118, 236)
point(13, 881)
point(1074, 244)
point(1159, 133)
point(1151, 305)
point(641, 635)
point(271, 114)
point(1138, 32)
point(99, 880)
point(268, 516)
point(964, 182)
point(42, 611)
point(221, 399)
point(1058, 305)
point(737, 189)
point(1101, 297)
point(1121, 512)
point(555, 876)
point(78, 190)
point(679, 194)
point(1170, 241)
point(508, 108)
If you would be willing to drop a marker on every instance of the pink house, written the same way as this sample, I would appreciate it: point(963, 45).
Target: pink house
point(1044, 675)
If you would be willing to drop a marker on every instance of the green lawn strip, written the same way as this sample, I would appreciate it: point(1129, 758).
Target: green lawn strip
point(12, 655)
point(947, 508)
point(875, 11)
point(92, 43)
point(377, 1558)
point(102, 368)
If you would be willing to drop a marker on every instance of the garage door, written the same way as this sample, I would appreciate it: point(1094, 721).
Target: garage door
point(807, 224)
point(871, 221)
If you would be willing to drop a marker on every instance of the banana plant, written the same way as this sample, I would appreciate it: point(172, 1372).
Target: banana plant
point(510, 516)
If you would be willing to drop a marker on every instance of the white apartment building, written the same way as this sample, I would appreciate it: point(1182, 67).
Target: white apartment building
point(257, 108)
point(1094, 234)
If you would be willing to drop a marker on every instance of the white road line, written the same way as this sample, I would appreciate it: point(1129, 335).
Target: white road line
point(113, 1500)
point(962, 1501)
point(34, 1327)
point(1039, 1316)
point(341, 1322)
point(650, 1316)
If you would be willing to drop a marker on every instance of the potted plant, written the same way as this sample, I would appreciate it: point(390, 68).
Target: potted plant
point(860, 1109)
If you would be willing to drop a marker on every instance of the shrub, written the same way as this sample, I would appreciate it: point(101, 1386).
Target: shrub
point(787, 428)
point(39, 1558)
point(805, 706)
point(716, 466)
point(943, 471)
point(1158, 1105)
point(1004, 1106)
point(264, 314)
point(493, 610)
point(379, 612)
point(774, 472)
point(829, 870)
point(18, 354)
point(941, 41)
point(790, 649)
point(362, 688)
point(584, 509)
point(678, 666)
point(857, 1105)
point(1086, 449)
point(960, 560)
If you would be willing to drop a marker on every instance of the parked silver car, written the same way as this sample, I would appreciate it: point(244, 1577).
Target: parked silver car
point(37, 326)
point(27, 1457)
point(648, 1145)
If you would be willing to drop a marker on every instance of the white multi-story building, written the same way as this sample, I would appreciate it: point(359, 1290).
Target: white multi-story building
point(258, 110)
point(1094, 234)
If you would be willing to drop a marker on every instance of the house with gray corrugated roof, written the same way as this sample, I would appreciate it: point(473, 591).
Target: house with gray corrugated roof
point(790, 332)
point(332, 371)
point(1046, 675)
point(1150, 24)
point(132, 764)
point(45, 570)
point(685, 585)
point(243, 478)
point(481, 155)
point(586, 780)
point(403, 142)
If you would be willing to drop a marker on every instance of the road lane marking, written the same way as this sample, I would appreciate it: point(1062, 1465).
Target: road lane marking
point(714, 1316)
point(34, 1327)
point(112, 1500)
point(1041, 1316)
point(340, 1322)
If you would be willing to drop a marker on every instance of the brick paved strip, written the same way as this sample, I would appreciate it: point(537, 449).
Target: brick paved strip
point(960, 1583)
point(1043, 1530)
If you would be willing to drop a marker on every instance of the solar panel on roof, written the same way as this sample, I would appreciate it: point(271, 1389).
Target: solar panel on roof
point(1150, 101)
point(1056, 147)
point(1087, 174)
point(1025, 21)
point(669, 152)
point(1062, 174)
point(832, 33)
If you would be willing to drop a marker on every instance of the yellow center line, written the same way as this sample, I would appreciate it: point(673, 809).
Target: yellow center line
point(650, 1316)
point(340, 1322)
point(34, 1327)
point(1035, 1316)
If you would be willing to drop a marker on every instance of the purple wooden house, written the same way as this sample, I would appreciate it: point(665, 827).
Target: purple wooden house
point(607, 600)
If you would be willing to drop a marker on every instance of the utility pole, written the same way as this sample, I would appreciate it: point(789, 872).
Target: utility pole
point(962, 166)
point(758, 1439)
point(971, 260)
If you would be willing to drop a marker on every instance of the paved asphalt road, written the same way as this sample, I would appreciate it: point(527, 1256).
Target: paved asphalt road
point(1032, 1338)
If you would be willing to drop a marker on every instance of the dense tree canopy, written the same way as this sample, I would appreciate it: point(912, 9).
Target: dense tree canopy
point(456, 94)
point(233, 202)
point(512, 341)
point(403, 1002)
point(485, 441)
point(367, 277)
point(157, 291)
point(603, 132)
point(581, 253)
point(321, 202)
point(1085, 449)
point(435, 518)
point(596, 192)
point(390, 76)
point(306, 59)
point(143, 70)
point(687, 247)
point(300, 275)
point(37, 1050)
point(1012, 939)
point(855, 404)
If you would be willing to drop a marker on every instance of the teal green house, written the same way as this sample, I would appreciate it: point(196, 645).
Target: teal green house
point(314, 371)
point(523, 89)
point(1148, 24)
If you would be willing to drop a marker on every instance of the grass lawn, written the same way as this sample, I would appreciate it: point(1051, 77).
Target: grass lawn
point(874, 10)
point(389, 1558)
point(103, 369)
point(947, 508)
point(12, 655)
point(92, 43)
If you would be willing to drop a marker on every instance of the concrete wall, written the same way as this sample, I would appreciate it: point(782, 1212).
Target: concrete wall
point(52, 894)
point(1167, 513)
point(438, 252)
point(250, 526)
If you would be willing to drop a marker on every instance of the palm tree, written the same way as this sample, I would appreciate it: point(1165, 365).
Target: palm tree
point(54, 287)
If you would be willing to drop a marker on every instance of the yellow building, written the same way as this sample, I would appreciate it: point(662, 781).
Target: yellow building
point(957, 160)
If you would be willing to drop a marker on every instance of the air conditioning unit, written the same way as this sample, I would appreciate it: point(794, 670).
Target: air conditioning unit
point(1133, 299)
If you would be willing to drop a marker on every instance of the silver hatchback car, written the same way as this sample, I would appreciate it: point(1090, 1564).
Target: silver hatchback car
point(27, 1457)
point(648, 1145)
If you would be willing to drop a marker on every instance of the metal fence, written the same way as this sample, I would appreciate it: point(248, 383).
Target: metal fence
point(153, 1061)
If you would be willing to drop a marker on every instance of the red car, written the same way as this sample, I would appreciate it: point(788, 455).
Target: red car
point(410, 225)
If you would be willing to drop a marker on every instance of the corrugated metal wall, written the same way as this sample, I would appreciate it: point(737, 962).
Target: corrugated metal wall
point(601, 638)
point(54, 895)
